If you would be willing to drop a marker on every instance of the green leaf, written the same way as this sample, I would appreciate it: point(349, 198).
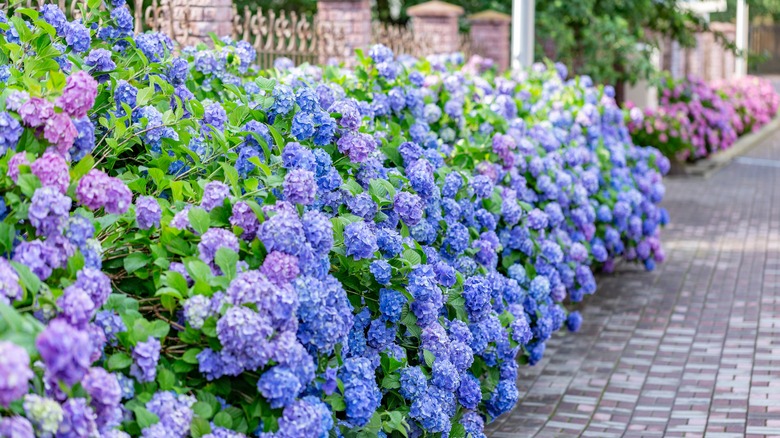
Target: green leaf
point(199, 427)
point(135, 261)
point(223, 419)
point(199, 271)
point(227, 259)
point(144, 95)
point(203, 410)
point(119, 361)
point(29, 183)
point(144, 418)
point(159, 329)
point(210, 328)
point(429, 357)
point(336, 402)
point(191, 355)
point(353, 187)
point(412, 256)
point(277, 137)
point(166, 378)
point(199, 220)
point(81, 169)
point(391, 381)
point(30, 281)
point(177, 281)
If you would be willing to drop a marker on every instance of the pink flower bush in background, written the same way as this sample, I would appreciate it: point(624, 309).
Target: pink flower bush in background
point(695, 119)
point(754, 99)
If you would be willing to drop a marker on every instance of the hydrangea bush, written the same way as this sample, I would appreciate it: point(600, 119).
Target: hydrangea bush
point(193, 247)
point(696, 119)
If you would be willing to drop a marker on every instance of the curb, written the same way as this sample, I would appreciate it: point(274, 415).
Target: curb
point(707, 167)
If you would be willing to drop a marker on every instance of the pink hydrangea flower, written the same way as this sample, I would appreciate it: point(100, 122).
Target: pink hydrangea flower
point(60, 131)
point(36, 111)
point(52, 169)
point(79, 94)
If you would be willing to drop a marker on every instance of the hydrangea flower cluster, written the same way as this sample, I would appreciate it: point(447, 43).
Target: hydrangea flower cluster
point(306, 255)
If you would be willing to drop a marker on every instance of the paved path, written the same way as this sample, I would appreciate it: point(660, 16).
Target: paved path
point(690, 349)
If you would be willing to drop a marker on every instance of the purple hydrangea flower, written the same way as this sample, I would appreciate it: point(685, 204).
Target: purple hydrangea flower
point(111, 324)
point(79, 94)
point(244, 335)
point(214, 116)
point(10, 288)
point(60, 131)
point(16, 372)
point(409, 207)
point(214, 194)
point(36, 255)
point(300, 187)
point(76, 306)
point(214, 239)
point(77, 36)
point(100, 60)
point(118, 196)
point(279, 386)
point(360, 240)
point(145, 357)
point(52, 170)
point(319, 231)
point(95, 283)
point(245, 218)
point(65, 351)
point(36, 111)
point(92, 188)
point(16, 427)
point(324, 312)
point(357, 145)
point(49, 211)
point(10, 132)
point(279, 267)
point(283, 232)
point(79, 420)
point(175, 413)
point(147, 212)
point(84, 142)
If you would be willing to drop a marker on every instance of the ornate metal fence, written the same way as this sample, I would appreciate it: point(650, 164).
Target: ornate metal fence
point(398, 37)
point(404, 41)
point(274, 35)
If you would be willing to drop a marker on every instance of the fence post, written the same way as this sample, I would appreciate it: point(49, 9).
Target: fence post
point(436, 23)
point(490, 36)
point(343, 26)
point(193, 20)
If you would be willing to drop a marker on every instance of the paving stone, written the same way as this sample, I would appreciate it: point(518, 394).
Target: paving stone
point(692, 349)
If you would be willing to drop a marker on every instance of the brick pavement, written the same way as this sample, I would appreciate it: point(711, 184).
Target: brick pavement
point(691, 349)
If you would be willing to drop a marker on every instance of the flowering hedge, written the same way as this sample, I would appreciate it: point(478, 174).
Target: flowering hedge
point(696, 119)
point(193, 247)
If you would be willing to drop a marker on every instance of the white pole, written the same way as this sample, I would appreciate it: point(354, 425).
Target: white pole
point(522, 33)
point(740, 66)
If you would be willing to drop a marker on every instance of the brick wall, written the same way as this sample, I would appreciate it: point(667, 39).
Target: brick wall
point(490, 36)
point(436, 24)
point(193, 20)
point(346, 26)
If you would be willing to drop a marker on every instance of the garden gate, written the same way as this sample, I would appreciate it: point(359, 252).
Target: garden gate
point(765, 42)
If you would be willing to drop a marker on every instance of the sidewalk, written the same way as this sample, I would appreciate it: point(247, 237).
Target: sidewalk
point(689, 349)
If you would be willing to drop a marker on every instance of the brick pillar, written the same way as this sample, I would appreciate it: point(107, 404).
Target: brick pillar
point(193, 20)
point(344, 26)
point(435, 23)
point(490, 36)
point(725, 65)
